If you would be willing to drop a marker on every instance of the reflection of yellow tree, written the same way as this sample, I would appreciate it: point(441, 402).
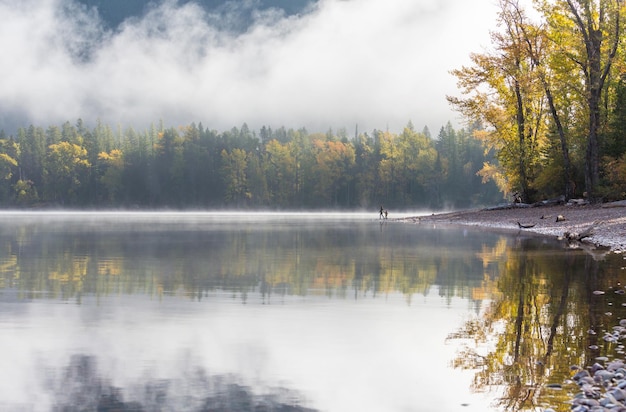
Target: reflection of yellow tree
point(8, 268)
point(409, 276)
point(291, 262)
point(67, 276)
point(534, 329)
point(487, 290)
point(333, 275)
point(493, 254)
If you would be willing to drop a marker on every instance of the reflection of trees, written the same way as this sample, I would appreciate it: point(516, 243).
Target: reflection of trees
point(537, 326)
point(542, 303)
point(66, 260)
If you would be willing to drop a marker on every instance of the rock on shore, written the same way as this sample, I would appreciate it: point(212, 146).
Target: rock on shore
point(603, 384)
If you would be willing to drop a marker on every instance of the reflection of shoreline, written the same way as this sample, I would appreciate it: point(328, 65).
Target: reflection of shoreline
point(609, 231)
point(70, 260)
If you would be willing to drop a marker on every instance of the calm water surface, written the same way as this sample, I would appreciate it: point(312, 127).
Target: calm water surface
point(293, 312)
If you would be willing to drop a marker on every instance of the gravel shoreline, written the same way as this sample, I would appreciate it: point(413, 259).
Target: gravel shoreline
point(607, 221)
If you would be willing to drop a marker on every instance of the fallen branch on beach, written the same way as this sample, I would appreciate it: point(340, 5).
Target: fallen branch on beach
point(577, 237)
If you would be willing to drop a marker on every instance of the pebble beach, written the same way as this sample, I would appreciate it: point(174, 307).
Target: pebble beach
point(605, 223)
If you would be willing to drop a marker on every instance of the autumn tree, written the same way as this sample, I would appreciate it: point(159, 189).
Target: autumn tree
point(8, 167)
point(25, 193)
point(555, 76)
point(65, 168)
point(587, 32)
point(503, 92)
point(334, 162)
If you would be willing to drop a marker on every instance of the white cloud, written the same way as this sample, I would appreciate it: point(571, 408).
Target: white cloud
point(371, 62)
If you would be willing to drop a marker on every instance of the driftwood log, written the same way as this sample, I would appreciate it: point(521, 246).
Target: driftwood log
point(519, 205)
point(577, 237)
point(619, 203)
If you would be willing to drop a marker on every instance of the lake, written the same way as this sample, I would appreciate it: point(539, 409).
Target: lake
point(203, 311)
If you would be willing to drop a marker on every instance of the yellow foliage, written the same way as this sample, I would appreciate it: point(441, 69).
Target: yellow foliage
point(66, 155)
point(113, 158)
point(495, 174)
point(495, 254)
point(6, 165)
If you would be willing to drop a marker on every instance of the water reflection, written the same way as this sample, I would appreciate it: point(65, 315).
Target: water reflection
point(549, 316)
point(81, 386)
point(202, 311)
point(277, 256)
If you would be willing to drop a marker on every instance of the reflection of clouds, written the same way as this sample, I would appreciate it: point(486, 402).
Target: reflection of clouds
point(366, 355)
point(81, 385)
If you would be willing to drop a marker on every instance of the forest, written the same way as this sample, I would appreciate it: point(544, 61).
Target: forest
point(74, 166)
point(544, 105)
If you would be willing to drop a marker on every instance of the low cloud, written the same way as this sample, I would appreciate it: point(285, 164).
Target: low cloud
point(374, 63)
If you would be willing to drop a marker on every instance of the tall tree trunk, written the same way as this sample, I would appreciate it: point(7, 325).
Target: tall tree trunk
point(594, 87)
point(596, 72)
point(567, 165)
point(534, 40)
point(521, 133)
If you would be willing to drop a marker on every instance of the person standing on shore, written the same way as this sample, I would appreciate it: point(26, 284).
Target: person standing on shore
point(382, 213)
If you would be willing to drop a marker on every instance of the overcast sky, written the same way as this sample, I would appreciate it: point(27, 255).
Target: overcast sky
point(375, 63)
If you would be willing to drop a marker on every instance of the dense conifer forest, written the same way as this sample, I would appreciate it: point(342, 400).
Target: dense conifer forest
point(75, 166)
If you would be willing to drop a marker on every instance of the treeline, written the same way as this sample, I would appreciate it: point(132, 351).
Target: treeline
point(195, 167)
